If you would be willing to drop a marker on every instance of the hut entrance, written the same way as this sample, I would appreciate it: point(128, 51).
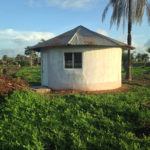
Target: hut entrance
point(45, 70)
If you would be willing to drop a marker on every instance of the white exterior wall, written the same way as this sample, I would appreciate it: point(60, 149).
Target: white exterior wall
point(101, 68)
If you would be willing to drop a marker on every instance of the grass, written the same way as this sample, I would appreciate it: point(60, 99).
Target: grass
point(30, 121)
point(139, 76)
point(10, 66)
point(32, 76)
point(136, 70)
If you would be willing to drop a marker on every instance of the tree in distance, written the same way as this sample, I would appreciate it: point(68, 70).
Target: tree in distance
point(148, 49)
point(42, 40)
point(125, 59)
point(30, 53)
point(5, 58)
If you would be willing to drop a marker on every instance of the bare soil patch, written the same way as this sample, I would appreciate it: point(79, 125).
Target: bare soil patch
point(123, 88)
point(8, 85)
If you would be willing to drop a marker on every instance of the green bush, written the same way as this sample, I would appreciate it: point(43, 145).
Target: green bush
point(24, 63)
point(15, 63)
point(29, 121)
point(143, 64)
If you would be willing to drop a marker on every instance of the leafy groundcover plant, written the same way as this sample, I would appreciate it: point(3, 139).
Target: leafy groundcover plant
point(30, 121)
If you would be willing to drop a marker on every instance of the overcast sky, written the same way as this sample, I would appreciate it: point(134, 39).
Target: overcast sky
point(25, 22)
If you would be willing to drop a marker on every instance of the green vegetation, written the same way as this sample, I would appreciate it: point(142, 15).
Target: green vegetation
point(32, 76)
point(10, 66)
point(28, 121)
point(24, 63)
point(136, 70)
point(31, 121)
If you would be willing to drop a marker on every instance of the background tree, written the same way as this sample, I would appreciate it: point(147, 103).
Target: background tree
point(148, 50)
point(18, 57)
point(2, 62)
point(37, 60)
point(5, 58)
point(42, 40)
point(125, 59)
point(13, 60)
point(142, 57)
point(26, 58)
point(145, 57)
point(30, 53)
point(23, 58)
point(132, 11)
point(139, 57)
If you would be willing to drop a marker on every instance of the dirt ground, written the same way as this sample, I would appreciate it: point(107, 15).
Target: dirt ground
point(8, 85)
point(138, 80)
point(123, 88)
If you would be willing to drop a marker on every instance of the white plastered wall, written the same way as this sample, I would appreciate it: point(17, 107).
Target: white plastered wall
point(101, 68)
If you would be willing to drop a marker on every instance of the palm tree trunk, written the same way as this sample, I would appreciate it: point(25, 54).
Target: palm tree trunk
point(128, 73)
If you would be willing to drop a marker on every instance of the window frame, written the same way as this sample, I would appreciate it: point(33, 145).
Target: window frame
point(72, 60)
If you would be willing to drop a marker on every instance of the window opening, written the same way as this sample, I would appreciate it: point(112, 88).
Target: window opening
point(73, 60)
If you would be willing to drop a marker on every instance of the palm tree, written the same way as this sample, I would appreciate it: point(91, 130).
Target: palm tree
point(31, 53)
point(131, 10)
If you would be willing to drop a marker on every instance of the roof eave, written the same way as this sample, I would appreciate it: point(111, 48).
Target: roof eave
point(126, 47)
point(35, 49)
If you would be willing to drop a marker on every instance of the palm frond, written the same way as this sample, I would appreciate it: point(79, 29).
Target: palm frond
point(105, 11)
point(121, 11)
point(148, 11)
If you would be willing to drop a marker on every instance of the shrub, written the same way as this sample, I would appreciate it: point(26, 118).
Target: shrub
point(143, 64)
point(24, 63)
point(15, 63)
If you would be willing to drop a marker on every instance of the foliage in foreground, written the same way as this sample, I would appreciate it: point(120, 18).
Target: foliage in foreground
point(28, 121)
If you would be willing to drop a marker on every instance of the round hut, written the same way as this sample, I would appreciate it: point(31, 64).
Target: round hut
point(81, 59)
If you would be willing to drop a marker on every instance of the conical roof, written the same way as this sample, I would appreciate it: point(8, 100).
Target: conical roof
point(82, 36)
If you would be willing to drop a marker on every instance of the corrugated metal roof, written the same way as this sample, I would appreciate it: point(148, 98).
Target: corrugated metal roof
point(82, 36)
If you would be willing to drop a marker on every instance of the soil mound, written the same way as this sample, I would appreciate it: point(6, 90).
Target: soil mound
point(8, 85)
